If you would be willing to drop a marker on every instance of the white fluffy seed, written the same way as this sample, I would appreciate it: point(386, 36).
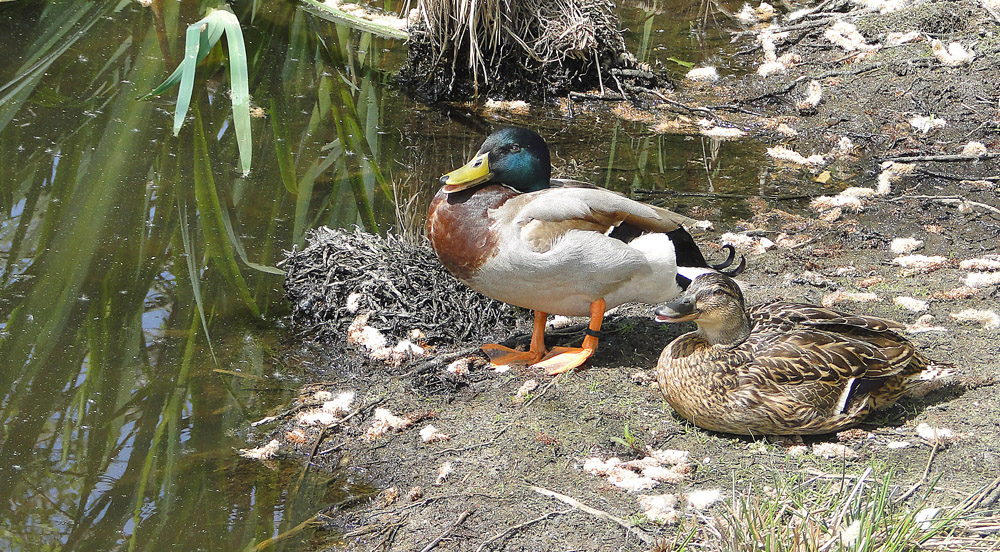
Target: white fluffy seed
point(981, 279)
point(262, 453)
point(936, 435)
point(910, 304)
point(988, 318)
point(954, 55)
point(925, 123)
point(902, 246)
point(703, 74)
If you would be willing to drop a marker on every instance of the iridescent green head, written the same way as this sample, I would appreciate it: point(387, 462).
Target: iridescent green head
point(515, 157)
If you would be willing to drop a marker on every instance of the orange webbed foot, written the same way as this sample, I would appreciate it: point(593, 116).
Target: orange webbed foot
point(500, 355)
point(563, 359)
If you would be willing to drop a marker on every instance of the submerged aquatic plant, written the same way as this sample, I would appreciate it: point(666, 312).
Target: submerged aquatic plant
point(200, 38)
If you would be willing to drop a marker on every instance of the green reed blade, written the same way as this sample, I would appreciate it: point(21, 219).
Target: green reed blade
point(206, 41)
point(239, 83)
point(210, 214)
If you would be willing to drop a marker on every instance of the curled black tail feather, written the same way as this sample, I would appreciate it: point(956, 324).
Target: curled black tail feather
point(731, 256)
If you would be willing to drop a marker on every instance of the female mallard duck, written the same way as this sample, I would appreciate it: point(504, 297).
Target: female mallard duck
point(507, 230)
point(781, 368)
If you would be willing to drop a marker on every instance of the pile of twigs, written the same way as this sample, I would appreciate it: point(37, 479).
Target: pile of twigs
point(400, 286)
point(516, 50)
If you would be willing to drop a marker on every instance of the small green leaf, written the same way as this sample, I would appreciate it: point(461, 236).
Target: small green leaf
point(682, 63)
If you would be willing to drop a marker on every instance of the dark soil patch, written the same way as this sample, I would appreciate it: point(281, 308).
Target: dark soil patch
point(499, 446)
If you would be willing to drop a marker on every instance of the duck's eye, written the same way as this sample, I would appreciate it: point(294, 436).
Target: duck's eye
point(514, 148)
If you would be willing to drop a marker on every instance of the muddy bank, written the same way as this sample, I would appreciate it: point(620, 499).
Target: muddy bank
point(472, 480)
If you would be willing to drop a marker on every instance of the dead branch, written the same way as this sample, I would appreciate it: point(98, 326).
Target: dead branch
point(508, 532)
point(542, 392)
point(927, 469)
point(950, 200)
point(448, 531)
point(470, 447)
point(943, 158)
point(594, 512)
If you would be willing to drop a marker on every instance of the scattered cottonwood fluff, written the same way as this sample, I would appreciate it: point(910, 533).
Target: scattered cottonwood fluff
point(526, 387)
point(920, 263)
point(902, 246)
point(837, 297)
point(846, 36)
point(974, 148)
point(668, 466)
point(976, 280)
point(660, 508)
point(833, 450)
point(703, 499)
point(331, 410)
point(891, 173)
point(925, 123)
point(814, 95)
point(954, 55)
point(384, 421)
point(430, 434)
point(989, 319)
point(443, 473)
point(910, 304)
point(784, 154)
point(940, 436)
point(703, 74)
point(262, 453)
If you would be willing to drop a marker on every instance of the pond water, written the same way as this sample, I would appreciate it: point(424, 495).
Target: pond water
point(140, 330)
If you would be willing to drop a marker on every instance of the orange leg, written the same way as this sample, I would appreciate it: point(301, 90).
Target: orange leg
point(564, 359)
point(500, 355)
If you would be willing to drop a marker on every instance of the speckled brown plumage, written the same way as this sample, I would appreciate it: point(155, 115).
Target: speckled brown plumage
point(790, 368)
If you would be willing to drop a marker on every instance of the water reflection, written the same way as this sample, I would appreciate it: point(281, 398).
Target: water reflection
point(140, 328)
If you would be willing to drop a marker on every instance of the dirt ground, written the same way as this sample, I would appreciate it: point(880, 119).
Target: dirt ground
point(500, 445)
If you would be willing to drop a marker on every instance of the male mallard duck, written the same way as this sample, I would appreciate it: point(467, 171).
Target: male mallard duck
point(782, 368)
point(502, 226)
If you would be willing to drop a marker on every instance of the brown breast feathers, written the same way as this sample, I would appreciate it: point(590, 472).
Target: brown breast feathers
point(458, 226)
